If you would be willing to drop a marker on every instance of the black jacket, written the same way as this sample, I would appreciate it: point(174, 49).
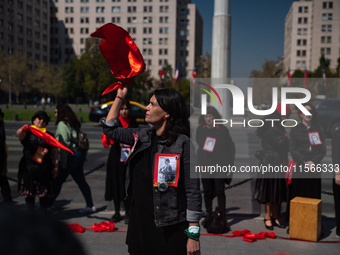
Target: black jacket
point(301, 148)
point(176, 204)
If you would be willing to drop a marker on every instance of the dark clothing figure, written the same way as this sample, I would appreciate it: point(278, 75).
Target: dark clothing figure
point(302, 151)
point(115, 177)
point(336, 186)
point(271, 187)
point(35, 179)
point(222, 152)
point(4, 185)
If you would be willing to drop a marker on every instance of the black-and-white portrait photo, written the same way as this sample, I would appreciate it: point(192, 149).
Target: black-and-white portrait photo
point(314, 138)
point(209, 144)
point(166, 169)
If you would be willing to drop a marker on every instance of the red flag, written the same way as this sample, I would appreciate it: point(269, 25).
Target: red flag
point(306, 77)
point(162, 73)
point(289, 78)
point(324, 78)
point(47, 138)
point(194, 74)
point(120, 51)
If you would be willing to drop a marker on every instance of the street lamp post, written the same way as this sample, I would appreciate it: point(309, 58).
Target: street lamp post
point(23, 95)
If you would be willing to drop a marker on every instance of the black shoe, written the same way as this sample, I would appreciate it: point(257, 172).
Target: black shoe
point(116, 217)
point(268, 227)
point(207, 220)
point(275, 224)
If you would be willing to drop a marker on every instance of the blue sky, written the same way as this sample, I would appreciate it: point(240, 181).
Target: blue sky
point(257, 32)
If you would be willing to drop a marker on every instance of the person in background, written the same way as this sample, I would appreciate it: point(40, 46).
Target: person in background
point(116, 167)
point(164, 218)
point(4, 185)
point(215, 146)
point(307, 155)
point(38, 165)
point(271, 188)
point(67, 126)
point(336, 181)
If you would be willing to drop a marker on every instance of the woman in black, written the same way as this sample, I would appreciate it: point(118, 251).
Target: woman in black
point(336, 181)
point(39, 164)
point(270, 188)
point(116, 167)
point(160, 212)
point(215, 146)
point(307, 147)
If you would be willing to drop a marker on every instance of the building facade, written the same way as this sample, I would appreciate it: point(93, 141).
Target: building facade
point(165, 31)
point(312, 28)
point(25, 26)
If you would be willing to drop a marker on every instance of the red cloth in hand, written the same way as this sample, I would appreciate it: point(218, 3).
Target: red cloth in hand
point(120, 51)
point(116, 85)
point(47, 138)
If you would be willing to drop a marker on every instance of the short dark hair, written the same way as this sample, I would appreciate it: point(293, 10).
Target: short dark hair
point(172, 102)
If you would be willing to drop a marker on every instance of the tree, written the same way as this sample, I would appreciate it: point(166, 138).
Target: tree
point(262, 86)
point(203, 66)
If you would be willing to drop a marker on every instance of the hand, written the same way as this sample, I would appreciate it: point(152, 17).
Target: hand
point(337, 180)
point(193, 247)
point(122, 92)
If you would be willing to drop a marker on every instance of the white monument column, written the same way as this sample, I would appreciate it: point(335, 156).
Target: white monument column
point(220, 57)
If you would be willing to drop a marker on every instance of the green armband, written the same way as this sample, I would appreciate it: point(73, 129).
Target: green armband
point(193, 232)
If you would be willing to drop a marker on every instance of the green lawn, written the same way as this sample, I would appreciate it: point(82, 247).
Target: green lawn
point(26, 115)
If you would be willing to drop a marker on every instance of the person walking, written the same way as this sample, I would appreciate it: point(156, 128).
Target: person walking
point(164, 217)
point(271, 188)
point(4, 185)
point(67, 127)
point(116, 167)
point(38, 165)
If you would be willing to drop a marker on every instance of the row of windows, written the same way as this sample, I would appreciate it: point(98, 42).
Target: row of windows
point(326, 39)
point(301, 42)
point(160, 51)
point(303, 9)
point(329, 28)
point(327, 5)
point(300, 63)
point(301, 31)
point(301, 53)
point(115, 9)
point(303, 20)
point(325, 51)
point(327, 16)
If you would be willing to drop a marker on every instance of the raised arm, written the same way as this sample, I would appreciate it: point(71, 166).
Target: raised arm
point(114, 111)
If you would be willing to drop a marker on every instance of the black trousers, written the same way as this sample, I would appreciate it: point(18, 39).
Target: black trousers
point(5, 188)
point(336, 191)
point(212, 188)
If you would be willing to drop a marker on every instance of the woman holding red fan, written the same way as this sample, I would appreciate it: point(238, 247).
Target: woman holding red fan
point(39, 164)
